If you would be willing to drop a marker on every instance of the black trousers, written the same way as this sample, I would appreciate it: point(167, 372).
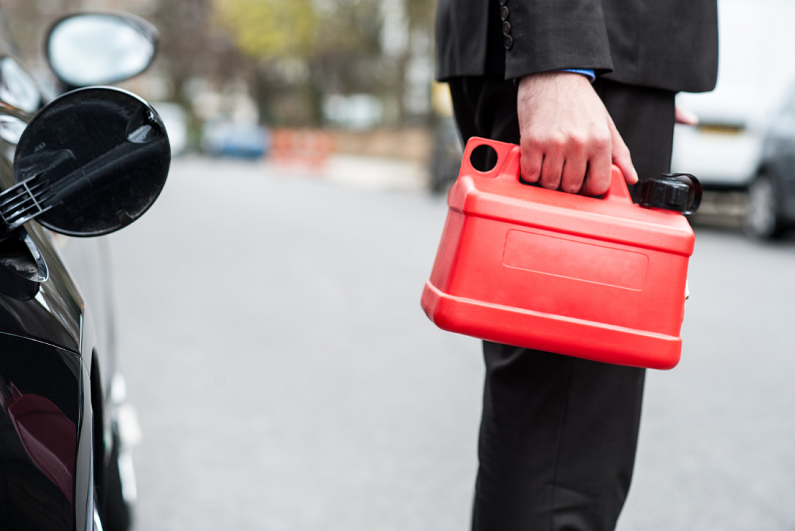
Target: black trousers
point(558, 434)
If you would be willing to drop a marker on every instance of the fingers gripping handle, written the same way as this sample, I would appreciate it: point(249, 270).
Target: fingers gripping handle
point(500, 159)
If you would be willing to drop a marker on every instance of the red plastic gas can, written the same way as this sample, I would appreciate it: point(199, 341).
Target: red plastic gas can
point(601, 279)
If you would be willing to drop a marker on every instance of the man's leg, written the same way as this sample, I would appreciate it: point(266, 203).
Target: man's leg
point(557, 441)
point(558, 434)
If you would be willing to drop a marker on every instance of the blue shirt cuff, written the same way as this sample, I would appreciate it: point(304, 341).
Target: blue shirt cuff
point(590, 74)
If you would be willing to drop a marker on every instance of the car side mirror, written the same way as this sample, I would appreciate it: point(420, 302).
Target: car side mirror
point(100, 48)
point(89, 163)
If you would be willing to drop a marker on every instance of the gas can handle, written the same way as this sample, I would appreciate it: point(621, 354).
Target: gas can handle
point(506, 159)
point(618, 190)
point(499, 157)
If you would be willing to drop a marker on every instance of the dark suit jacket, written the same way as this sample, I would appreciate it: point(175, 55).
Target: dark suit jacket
point(667, 44)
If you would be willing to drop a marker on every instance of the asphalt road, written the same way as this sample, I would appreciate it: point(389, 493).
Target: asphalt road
point(287, 379)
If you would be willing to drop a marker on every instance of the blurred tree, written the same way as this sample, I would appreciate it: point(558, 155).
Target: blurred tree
point(418, 73)
point(421, 12)
point(185, 41)
point(29, 19)
point(292, 53)
point(348, 53)
point(305, 49)
point(270, 29)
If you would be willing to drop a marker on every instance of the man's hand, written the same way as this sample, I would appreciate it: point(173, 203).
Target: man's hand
point(568, 140)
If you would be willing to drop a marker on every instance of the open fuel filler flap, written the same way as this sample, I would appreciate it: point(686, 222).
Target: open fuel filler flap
point(595, 278)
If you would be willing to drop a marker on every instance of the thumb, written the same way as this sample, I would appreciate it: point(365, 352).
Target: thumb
point(621, 156)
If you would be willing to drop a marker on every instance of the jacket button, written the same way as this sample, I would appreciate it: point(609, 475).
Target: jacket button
point(508, 42)
point(505, 13)
point(506, 28)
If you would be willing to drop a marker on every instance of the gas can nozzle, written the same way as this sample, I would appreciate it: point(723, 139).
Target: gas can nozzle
point(672, 191)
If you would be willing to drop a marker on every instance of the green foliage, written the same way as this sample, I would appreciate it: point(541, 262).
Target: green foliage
point(349, 27)
point(335, 45)
point(301, 29)
point(269, 29)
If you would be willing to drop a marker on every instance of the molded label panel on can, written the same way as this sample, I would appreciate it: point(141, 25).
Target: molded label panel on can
point(567, 258)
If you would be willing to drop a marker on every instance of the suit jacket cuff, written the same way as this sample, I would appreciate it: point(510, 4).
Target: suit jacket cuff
point(547, 35)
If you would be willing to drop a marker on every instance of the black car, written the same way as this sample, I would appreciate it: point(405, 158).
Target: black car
point(85, 164)
point(771, 195)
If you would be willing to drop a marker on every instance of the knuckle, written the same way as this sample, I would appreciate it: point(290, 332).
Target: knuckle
point(531, 139)
point(557, 141)
point(578, 141)
point(547, 141)
point(600, 142)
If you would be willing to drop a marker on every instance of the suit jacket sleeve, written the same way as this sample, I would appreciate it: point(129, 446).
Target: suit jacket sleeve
point(556, 34)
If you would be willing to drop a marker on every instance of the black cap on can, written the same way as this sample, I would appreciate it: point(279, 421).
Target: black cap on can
point(672, 191)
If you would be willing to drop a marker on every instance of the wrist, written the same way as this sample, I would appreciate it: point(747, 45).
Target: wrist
point(553, 78)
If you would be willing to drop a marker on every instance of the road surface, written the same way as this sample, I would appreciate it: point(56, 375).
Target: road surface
point(286, 378)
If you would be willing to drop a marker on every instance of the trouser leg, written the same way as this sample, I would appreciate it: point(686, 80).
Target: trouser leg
point(557, 441)
point(558, 434)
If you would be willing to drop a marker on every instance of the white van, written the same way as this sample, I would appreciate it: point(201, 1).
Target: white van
point(756, 69)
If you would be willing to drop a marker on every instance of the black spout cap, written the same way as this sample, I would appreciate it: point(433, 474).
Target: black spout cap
point(680, 192)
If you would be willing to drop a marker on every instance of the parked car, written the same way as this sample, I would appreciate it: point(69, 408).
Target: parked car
point(85, 164)
point(226, 138)
point(732, 148)
point(771, 194)
point(745, 148)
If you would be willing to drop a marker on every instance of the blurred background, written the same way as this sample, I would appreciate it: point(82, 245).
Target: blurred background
point(303, 78)
point(268, 307)
point(303, 82)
